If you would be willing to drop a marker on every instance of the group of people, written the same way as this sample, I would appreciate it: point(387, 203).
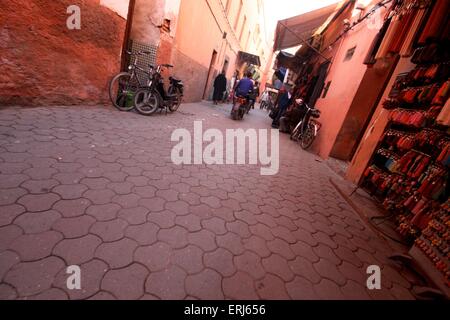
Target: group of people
point(287, 111)
point(245, 87)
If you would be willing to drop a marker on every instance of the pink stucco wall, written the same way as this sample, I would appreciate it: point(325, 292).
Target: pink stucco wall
point(345, 77)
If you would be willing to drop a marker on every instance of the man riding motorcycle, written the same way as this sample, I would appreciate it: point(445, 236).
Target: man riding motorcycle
point(245, 87)
point(241, 102)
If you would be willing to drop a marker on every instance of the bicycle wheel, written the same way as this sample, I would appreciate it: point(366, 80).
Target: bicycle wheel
point(121, 91)
point(174, 90)
point(308, 137)
point(146, 102)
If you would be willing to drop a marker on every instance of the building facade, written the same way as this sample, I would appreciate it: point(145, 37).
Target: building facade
point(210, 36)
point(44, 62)
point(47, 63)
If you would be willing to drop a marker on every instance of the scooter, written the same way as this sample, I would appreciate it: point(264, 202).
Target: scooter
point(240, 107)
point(149, 99)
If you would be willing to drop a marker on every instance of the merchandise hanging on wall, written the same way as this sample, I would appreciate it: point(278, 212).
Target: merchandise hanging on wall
point(409, 171)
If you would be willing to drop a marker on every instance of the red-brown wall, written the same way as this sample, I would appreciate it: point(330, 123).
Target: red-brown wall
point(42, 62)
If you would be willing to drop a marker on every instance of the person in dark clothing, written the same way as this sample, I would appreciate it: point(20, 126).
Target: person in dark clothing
point(284, 102)
point(220, 86)
point(292, 116)
point(254, 95)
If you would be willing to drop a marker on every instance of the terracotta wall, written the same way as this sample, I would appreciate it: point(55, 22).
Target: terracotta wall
point(361, 108)
point(194, 45)
point(345, 77)
point(200, 29)
point(43, 62)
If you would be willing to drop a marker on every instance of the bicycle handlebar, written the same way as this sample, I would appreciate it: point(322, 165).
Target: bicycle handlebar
point(138, 53)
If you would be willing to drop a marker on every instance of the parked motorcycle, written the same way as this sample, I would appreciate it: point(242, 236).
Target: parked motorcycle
point(240, 107)
point(306, 130)
point(153, 97)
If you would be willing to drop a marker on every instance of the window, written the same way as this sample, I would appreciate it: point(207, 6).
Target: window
point(349, 53)
point(238, 17)
point(242, 28)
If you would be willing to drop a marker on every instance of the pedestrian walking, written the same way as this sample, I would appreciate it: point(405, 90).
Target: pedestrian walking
point(220, 86)
point(254, 95)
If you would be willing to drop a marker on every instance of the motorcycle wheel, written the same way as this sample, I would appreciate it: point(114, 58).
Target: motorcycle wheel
point(308, 137)
point(146, 102)
point(174, 90)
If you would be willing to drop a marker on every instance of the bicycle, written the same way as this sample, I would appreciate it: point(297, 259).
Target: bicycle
point(124, 85)
point(306, 130)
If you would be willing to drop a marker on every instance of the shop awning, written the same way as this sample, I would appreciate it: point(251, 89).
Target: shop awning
point(300, 27)
point(249, 58)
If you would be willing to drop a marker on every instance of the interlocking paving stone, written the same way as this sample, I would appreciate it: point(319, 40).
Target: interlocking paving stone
point(7, 260)
point(240, 286)
point(301, 289)
point(155, 257)
point(36, 203)
point(271, 288)
point(105, 212)
point(117, 254)
point(134, 216)
point(79, 185)
point(204, 239)
point(329, 270)
point(50, 294)
point(304, 268)
point(328, 290)
point(76, 251)
point(126, 283)
point(92, 273)
point(176, 237)
point(71, 208)
point(109, 231)
point(190, 259)
point(74, 227)
point(250, 263)
point(190, 222)
point(31, 247)
point(8, 234)
point(304, 250)
point(282, 248)
point(206, 285)
point(30, 278)
point(37, 222)
point(9, 213)
point(167, 284)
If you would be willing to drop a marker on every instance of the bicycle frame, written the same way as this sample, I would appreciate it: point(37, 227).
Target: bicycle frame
point(303, 124)
point(132, 70)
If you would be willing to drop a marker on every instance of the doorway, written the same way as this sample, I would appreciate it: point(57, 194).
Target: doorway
point(225, 66)
point(210, 74)
point(320, 83)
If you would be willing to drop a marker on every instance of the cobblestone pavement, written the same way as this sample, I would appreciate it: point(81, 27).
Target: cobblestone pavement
point(94, 187)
